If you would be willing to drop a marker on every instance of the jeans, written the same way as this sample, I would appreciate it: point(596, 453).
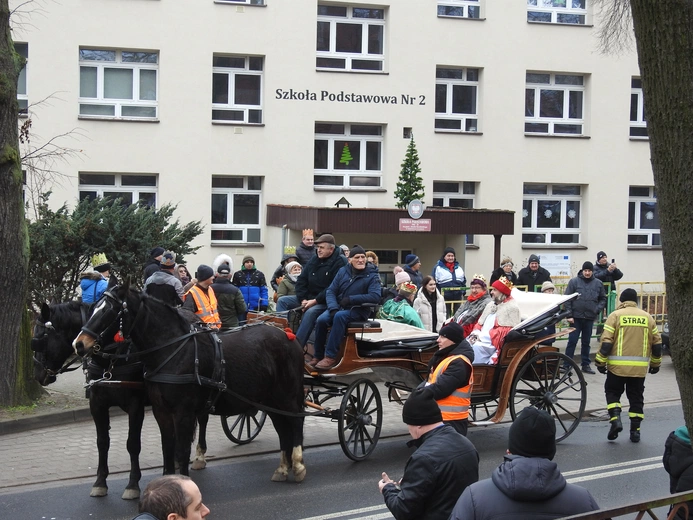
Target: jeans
point(309, 317)
point(583, 328)
point(329, 347)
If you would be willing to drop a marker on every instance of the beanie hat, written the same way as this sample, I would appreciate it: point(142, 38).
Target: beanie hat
point(407, 289)
point(157, 251)
point(503, 285)
point(290, 266)
point(356, 250)
point(449, 250)
point(325, 239)
point(402, 277)
point(168, 260)
point(533, 434)
point(546, 286)
point(479, 279)
point(533, 258)
point(248, 258)
point(224, 269)
point(600, 255)
point(99, 263)
point(588, 265)
point(453, 331)
point(506, 260)
point(204, 272)
point(411, 260)
point(629, 295)
point(421, 409)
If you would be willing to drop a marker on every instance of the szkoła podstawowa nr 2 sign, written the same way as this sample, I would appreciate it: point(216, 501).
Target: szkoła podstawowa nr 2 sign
point(349, 97)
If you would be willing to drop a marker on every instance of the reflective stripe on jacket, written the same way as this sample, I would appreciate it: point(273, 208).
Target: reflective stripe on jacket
point(455, 406)
point(206, 305)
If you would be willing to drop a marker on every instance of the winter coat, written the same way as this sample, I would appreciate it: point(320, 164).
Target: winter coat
point(601, 272)
point(507, 315)
point(678, 462)
point(281, 271)
point(592, 300)
point(151, 267)
point(468, 314)
point(426, 312)
point(533, 278)
point(416, 276)
point(317, 275)
point(230, 302)
point(495, 275)
point(358, 286)
point(435, 475)
point(523, 488)
point(306, 253)
point(449, 280)
point(253, 287)
point(456, 375)
point(164, 286)
point(93, 286)
point(400, 311)
point(287, 287)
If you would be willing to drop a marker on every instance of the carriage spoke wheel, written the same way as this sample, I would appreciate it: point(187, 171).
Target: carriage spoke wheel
point(360, 419)
point(553, 382)
point(483, 411)
point(244, 427)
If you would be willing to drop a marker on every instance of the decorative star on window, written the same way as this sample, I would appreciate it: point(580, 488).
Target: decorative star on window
point(525, 213)
point(649, 215)
point(548, 213)
point(572, 213)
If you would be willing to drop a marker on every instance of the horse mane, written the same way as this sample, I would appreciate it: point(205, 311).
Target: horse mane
point(66, 315)
point(164, 312)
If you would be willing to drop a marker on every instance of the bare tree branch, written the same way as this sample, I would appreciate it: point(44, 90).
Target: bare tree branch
point(615, 33)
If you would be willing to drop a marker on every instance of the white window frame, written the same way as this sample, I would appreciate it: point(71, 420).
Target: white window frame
point(23, 99)
point(120, 186)
point(564, 200)
point(244, 2)
point(350, 57)
point(638, 126)
point(250, 231)
point(555, 125)
point(232, 106)
point(466, 190)
point(347, 175)
point(119, 104)
point(464, 5)
point(635, 229)
point(556, 11)
point(468, 122)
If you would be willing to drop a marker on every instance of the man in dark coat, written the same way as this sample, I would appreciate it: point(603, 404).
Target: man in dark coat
point(306, 249)
point(311, 286)
point(527, 485)
point(163, 284)
point(532, 275)
point(412, 266)
point(605, 271)
point(230, 301)
point(440, 469)
point(154, 262)
point(678, 462)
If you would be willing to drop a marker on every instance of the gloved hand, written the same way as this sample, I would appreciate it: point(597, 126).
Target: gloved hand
point(344, 302)
point(654, 370)
point(602, 369)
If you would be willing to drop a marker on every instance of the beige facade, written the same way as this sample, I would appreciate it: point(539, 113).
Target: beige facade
point(184, 149)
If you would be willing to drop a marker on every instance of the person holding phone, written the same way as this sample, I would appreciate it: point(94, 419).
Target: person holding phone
point(607, 272)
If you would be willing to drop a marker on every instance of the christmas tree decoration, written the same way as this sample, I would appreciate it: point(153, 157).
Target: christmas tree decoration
point(410, 185)
point(346, 155)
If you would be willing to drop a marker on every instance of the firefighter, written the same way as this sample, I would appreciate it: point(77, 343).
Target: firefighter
point(630, 343)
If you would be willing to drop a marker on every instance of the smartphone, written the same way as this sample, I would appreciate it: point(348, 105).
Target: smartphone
point(613, 261)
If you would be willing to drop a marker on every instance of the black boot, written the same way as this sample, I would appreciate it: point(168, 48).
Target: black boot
point(616, 424)
point(635, 429)
point(635, 436)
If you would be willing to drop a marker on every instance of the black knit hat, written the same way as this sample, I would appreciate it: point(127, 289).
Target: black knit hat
point(356, 250)
point(453, 331)
point(421, 409)
point(600, 255)
point(204, 272)
point(588, 265)
point(157, 251)
point(412, 260)
point(533, 434)
point(629, 295)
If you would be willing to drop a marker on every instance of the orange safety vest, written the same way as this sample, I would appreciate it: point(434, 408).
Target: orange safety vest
point(206, 305)
point(455, 406)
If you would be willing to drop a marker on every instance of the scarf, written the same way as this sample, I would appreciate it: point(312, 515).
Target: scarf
point(450, 266)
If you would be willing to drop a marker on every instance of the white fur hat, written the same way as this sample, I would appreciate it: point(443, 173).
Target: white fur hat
point(222, 259)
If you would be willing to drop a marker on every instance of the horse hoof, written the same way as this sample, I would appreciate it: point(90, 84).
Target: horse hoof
point(98, 492)
point(131, 494)
point(300, 474)
point(198, 464)
point(279, 477)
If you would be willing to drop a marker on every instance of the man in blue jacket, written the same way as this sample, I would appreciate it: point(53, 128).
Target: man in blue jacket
point(356, 283)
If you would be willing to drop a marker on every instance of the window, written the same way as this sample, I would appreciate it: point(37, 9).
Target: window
point(237, 89)
point(638, 122)
point(129, 187)
point(248, 2)
point(551, 214)
point(118, 84)
point(459, 8)
point(348, 155)
point(554, 103)
point(350, 38)
point(456, 99)
point(22, 95)
point(236, 203)
point(643, 217)
point(557, 11)
point(461, 195)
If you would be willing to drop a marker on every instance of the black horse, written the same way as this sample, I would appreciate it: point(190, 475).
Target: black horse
point(190, 371)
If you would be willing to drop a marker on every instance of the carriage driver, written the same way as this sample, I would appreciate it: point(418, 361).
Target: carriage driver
point(201, 300)
point(450, 376)
point(172, 497)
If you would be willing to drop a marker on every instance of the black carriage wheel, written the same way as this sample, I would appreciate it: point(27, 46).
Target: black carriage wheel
point(360, 419)
point(244, 428)
point(553, 382)
point(483, 411)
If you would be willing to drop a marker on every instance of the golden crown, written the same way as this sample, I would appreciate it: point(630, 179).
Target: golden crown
point(308, 232)
point(506, 282)
point(99, 259)
point(479, 277)
point(408, 287)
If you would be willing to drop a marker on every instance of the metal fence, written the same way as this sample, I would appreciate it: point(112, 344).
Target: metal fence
point(678, 501)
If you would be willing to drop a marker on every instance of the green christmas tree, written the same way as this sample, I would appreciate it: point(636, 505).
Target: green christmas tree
point(346, 155)
point(410, 185)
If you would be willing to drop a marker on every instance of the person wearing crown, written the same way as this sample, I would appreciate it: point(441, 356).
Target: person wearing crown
point(399, 308)
point(500, 315)
point(469, 313)
point(95, 283)
point(306, 249)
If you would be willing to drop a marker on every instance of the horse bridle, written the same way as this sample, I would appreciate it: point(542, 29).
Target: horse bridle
point(108, 295)
point(38, 348)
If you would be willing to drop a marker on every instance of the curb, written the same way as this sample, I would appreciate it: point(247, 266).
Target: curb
point(23, 424)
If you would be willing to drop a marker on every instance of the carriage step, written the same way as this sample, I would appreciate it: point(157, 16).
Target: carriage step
point(483, 423)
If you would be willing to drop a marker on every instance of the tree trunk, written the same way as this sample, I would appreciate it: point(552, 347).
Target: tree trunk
point(13, 235)
point(664, 36)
